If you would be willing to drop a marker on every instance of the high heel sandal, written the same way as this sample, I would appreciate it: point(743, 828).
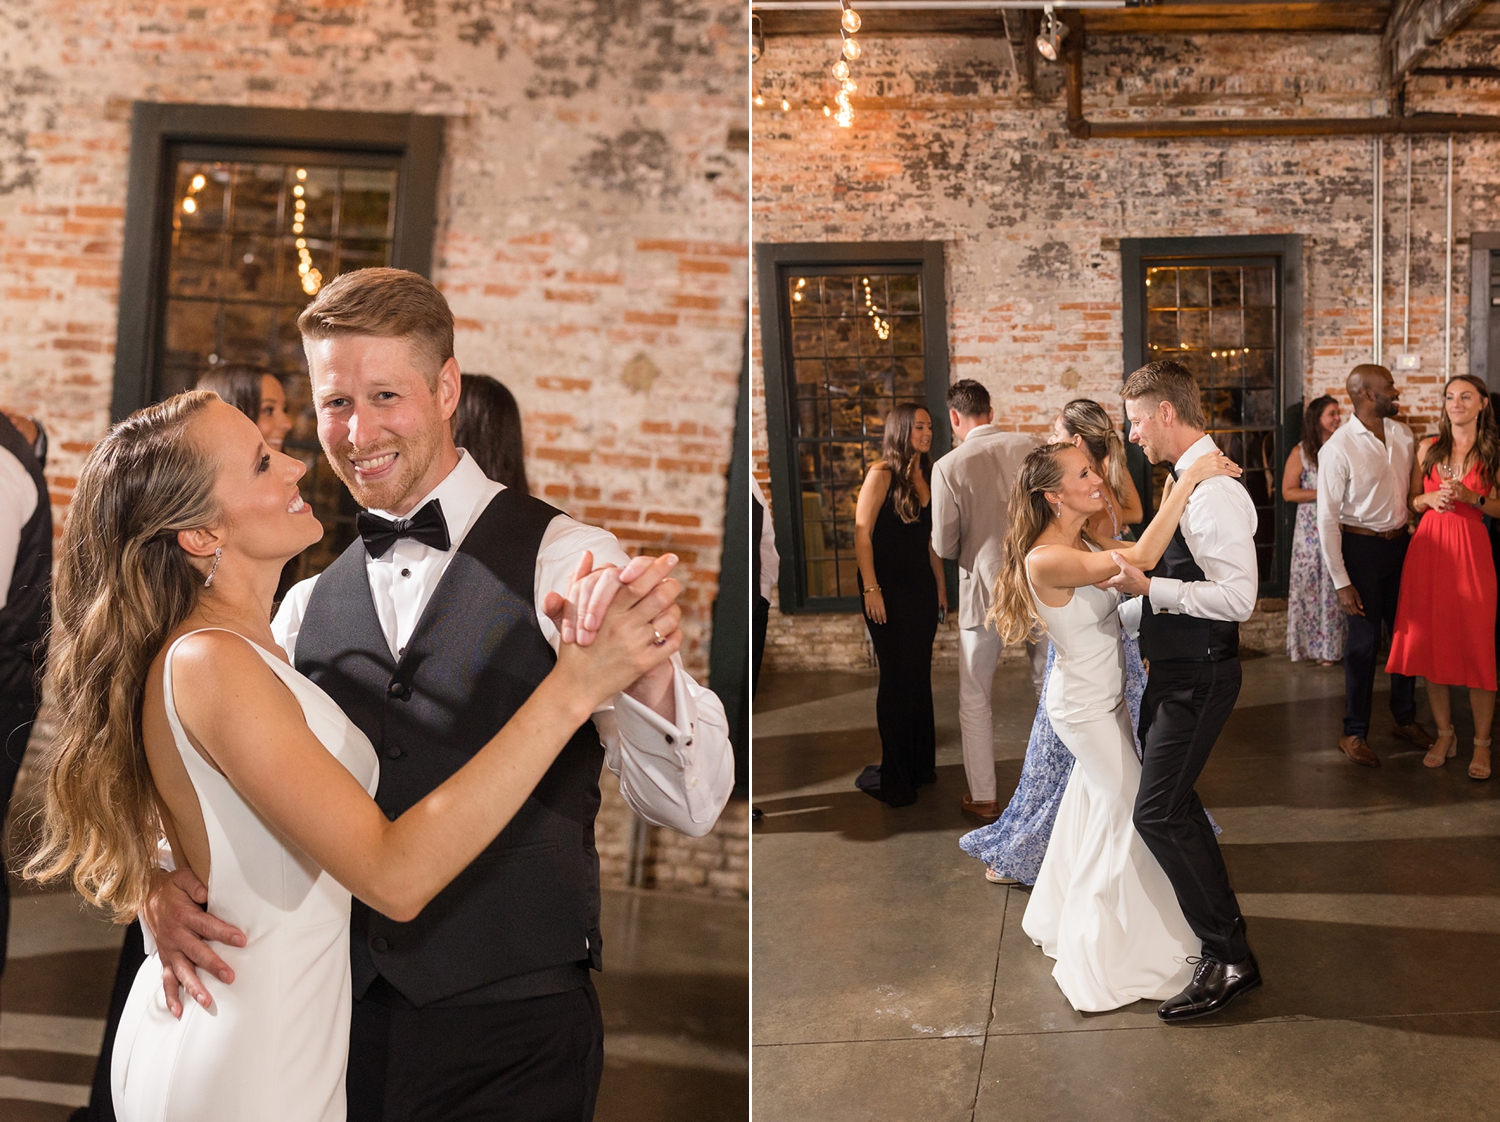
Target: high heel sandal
point(1476, 769)
point(1437, 755)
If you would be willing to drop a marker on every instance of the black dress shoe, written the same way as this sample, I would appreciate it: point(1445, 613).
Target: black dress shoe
point(1215, 984)
point(930, 777)
point(869, 783)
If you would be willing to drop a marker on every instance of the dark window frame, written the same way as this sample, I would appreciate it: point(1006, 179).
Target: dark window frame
point(1135, 255)
point(1481, 312)
point(773, 261)
point(156, 130)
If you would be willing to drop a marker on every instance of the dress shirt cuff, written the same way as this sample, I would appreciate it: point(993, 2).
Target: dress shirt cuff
point(1166, 594)
point(674, 774)
point(1130, 611)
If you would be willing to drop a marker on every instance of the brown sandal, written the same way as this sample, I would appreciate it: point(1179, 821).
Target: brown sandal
point(1437, 755)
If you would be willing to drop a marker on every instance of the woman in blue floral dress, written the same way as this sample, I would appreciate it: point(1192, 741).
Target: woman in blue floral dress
point(1315, 626)
point(1012, 847)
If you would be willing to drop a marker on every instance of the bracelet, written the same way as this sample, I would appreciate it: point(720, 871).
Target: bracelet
point(871, 588)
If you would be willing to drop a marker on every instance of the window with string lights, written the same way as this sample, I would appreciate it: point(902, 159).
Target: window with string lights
point(239, 218)
point(849, 332)
point(1230, 310)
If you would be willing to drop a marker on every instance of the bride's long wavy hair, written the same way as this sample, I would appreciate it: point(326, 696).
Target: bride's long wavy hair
point(123, 585)
point(1012, 608)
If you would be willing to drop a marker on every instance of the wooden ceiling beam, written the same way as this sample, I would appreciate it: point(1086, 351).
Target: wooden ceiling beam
point(1416, 27)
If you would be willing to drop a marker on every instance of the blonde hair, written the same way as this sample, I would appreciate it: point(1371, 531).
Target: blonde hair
point(1166, 380)
point(389, 304)
point(1087, 418)
point(123, 585)
point(1013, 607)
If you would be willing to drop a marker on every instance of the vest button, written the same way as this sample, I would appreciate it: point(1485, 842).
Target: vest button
point(394, 751)
point(394, 689)
point(379, 944)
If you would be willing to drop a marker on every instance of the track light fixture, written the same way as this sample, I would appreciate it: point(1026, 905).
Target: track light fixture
point(1049, 42)
point(757, 39)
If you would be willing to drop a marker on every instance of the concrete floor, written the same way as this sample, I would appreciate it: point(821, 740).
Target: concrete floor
point(674, 998)
point(891, 981)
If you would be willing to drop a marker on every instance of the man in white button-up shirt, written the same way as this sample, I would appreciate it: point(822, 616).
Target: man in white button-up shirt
point(482, 1006)
point(1364, 473)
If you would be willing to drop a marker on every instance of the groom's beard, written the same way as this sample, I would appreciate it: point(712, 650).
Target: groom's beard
point(413, 458)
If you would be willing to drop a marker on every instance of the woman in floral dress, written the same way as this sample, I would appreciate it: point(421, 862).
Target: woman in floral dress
point(1315, 627)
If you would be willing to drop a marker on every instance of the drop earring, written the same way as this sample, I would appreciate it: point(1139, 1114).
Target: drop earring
point(218, 556)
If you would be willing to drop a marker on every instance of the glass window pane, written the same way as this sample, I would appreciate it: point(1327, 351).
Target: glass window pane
point(804, 294)
point(369, 209)
point(1226, 328)
point(1192, 326)
point(193, 268)
point(1161, 329)
point(906, 334)
point(255, 203)
point(1161, 288)
point(1260, 286)
point(201, 190)
point(838, 296)
point(807, 337)
point(252, 267)
point(1226, 287)
point(841, 336)
point(1192, 288)
point(316, 206)
point(905, 292)
point(1260, 327)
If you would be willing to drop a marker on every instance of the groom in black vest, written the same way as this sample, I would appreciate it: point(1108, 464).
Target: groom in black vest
point(430, 631)
point(1191, 607)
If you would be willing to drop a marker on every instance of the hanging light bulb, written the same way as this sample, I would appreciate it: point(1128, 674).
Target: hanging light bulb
point(1049, 42)
point(841, 70)
point(848, 86)
point(827, 112)
point(757, 39)
point(759, 101)
point(785, 105)
point(850, 20)
point(851, 49)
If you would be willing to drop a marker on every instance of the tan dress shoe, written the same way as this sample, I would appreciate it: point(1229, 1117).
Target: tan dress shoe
point(1358, 750)
point(1414, 734)
point(990, 809)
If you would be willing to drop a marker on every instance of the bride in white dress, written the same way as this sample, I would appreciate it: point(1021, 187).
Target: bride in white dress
point(1101, 906)
point(180, 717)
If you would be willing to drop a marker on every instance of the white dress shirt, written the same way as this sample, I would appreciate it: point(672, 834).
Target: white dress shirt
point(672, 774)
point(770, 560)
point(1219, 528)
point(1362, 481)
point(18, 499)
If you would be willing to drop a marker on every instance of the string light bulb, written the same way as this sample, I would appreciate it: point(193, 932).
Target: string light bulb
point(882, 326)
point(841, 70)
point(786, 106)
point(851, 49)
point(759, 101)
point(850, 20)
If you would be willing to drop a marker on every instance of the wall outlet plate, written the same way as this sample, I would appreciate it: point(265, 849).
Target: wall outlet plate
point(1409, 362)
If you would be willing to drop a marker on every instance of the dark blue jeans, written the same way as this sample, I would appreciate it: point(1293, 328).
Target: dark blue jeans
point(1374, 566)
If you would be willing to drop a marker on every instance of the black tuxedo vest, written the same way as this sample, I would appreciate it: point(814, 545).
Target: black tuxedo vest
point(23, 620)
point(529, 904)
point(1168, 637)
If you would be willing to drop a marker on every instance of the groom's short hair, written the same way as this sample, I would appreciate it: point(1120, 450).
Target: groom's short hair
point(1165, 380)
point(390, 304)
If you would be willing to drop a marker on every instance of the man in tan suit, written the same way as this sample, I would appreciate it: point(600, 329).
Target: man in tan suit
point(970, 504)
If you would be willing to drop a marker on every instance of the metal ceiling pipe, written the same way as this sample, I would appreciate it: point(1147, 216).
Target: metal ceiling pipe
point(1081, 128)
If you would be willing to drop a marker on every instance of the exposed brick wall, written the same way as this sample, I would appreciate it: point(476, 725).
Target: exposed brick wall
point(945, 148)
point(591, 233)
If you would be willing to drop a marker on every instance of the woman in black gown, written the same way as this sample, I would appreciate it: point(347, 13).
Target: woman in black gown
point(901, 583)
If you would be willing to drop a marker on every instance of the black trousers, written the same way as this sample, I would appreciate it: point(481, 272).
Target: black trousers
point(903, 702)
point(1185, 707)
point(760, 620)
point(17, 715)
point(1374, 566)
point(536, 1059)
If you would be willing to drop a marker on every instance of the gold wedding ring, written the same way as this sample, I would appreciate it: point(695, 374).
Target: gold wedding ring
point(658, 639)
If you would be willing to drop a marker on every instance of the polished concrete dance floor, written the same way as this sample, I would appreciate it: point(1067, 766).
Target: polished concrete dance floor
point(891, 981)
point(674, 999)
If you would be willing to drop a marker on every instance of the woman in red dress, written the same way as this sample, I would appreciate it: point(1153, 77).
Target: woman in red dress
point(1445, 618)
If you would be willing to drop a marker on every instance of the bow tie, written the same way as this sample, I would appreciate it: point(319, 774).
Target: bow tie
point(426, 526)
point(1172, 470)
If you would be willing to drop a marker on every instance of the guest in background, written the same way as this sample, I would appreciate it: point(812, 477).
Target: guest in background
point(488, 426)
point(25, 607)
point(1084, 424)
point(1315, 627)
point(766, 563)
point(254, 393)
point(901, 582)
point(1445, 620)
point(1364, 471)
point(971, 488)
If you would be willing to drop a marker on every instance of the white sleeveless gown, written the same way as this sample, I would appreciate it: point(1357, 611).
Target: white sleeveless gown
point(275, 1044)
point(1101, 906)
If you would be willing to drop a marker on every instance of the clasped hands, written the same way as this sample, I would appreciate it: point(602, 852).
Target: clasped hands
point(175, 911)
point(1449, 495)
